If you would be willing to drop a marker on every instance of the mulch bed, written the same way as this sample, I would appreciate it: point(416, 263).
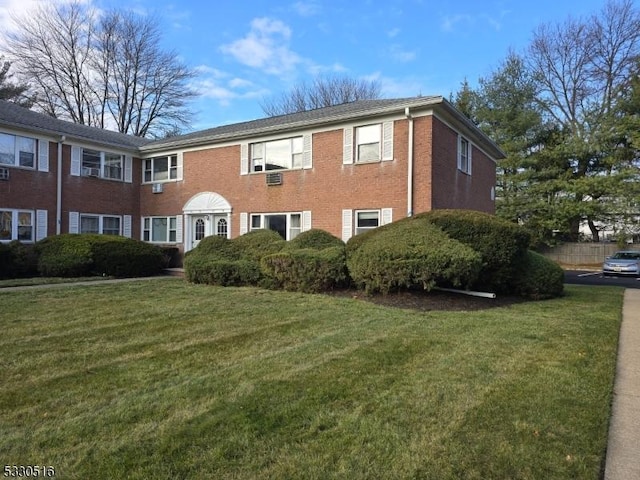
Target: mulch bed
point(435, 300)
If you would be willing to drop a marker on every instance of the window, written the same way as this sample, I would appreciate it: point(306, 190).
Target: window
point(102, 164)
point(222, 228)
point(16, 225)
point(368, 143)
point(464, 155)
point(17, 151)
point(159, 169)
point(100, 224)
point(160, 229)
point(283, 154)
point(367, 220)
point(288, 225)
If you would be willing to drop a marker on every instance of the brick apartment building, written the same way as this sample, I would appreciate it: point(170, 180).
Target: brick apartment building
point(344, 169)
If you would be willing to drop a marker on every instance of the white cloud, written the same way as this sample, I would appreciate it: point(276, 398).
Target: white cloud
point(394, 32)
point(307, 8)
point(451, 22)
point(212, 83)
point(265, 47)
point(401, 55)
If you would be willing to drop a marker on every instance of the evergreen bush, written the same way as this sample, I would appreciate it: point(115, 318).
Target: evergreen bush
point(539, 277)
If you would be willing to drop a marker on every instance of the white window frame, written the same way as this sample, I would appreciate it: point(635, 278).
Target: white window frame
point(257, 221)
point(359, 130)
point(359, 229)
point(464, 154)
point(17, 162)
point(13, 233)
point(350, 220)
point(148, 229)
point(101, 219)
point(259, 151)
point(100, 171)
point(172, 171)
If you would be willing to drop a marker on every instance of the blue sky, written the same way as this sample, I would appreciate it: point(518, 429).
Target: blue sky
point(246, 50)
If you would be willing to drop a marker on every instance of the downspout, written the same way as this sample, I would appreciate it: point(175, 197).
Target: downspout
point(409, 164)
point(59, 188)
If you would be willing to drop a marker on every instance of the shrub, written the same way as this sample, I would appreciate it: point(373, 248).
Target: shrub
point(539, 277)
point(18, 260)
point(306, 269)
point(125, 257)
point(66, 255)
point(213, 271)
point(410, 253)
point(218, 247)
point(259, 243)
point(316, 239)
point(502, 244)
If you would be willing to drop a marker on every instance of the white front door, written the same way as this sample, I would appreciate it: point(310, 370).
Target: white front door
point(198, 229)
point(221, 225)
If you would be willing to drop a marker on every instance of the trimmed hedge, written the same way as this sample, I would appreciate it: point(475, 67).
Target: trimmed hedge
point(259, 243)
point(539, 277)
point(214, 271)
point(18, 260)
point(316, 239)
point(410, 253)
point(306, 269)
point(503, 245)
point(78, 255)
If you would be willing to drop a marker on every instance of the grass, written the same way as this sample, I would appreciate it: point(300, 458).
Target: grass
point(163, 379)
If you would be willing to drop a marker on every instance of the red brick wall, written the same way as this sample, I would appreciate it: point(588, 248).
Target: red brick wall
point(453, 188)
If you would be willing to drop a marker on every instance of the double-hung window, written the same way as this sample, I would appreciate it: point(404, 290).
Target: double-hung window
point(288, 225)
point(101, 224)
point(102, 164)
point(158, 169)
point(367, 220)
point(368, 143)
point(159, 229)
point(464, 155)
point(17, 151)
point(284, 154)
point(16, 225)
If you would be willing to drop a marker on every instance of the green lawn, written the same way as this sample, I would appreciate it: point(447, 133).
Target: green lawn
point(167, 380)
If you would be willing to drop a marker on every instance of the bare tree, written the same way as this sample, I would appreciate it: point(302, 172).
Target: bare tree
point(103, 70)
point(322, 92)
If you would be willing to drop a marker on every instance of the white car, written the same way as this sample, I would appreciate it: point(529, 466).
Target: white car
point(624, 262)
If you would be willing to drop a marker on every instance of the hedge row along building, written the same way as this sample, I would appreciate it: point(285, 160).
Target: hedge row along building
point(344, 169)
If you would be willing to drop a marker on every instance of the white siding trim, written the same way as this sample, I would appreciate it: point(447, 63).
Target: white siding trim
point(43, 155)
point(347, 146)
point(386, 216)
point(244, 158)
point(41, 224)
point(306, 220)
point(179, 228)
point(76, 160)
point(126, 226)
point(74, 222)
point(307, 154)
point(347, 225)
point(244, 223)
point(128, 166)
point(387, 141)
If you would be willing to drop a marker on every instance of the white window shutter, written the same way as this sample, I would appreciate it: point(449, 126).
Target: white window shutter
point(244, 223)
point(347, 146)
point(41, 224)
point(43, 155)
point(126, 226)
point(74, 222)
point(180, 169)
point(387, 141)
point(347, 225)
point(128, 166)
point(307, 157)
point(306, 220)
point(76, 160)
point(469, 161)
point(459, 159)
point(244, 158)
point(387, 216)
point(179, 229)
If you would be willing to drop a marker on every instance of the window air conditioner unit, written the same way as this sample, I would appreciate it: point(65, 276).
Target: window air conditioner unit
point(274, 178)
point(90, 172)
point(4, 173)
point(157, 187)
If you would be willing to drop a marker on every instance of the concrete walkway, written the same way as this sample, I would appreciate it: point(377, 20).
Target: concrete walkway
point(623, 451)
